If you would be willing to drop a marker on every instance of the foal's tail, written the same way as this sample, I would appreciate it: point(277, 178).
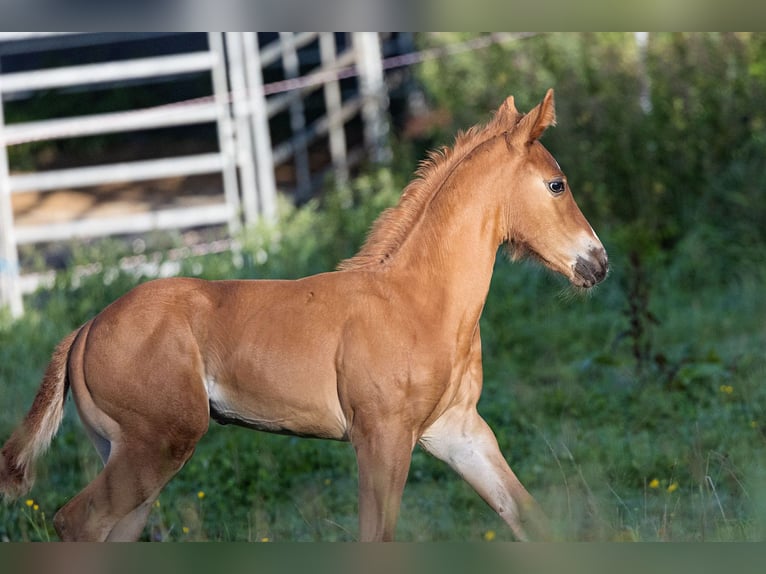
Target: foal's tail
point(34, 434)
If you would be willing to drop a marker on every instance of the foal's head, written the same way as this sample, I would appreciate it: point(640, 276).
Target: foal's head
point(543, 219)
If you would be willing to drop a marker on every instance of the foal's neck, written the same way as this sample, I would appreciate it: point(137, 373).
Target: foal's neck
point(451, 252)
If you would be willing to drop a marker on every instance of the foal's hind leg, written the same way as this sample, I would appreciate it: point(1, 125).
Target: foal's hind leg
point(116, 504)
point(144, 411)
point(130, 526)
point(146, 450)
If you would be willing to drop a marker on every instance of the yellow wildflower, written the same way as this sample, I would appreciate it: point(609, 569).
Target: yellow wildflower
point(672, 487)
point(36, 507)
point(30, 502)
point(489, 535)
point(625, 535)
point(726, 389)
point(654, 483)
point(200, 495)
point(185, 529)
point(265, 539)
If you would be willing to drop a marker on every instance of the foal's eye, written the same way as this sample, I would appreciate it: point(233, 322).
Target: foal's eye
point(557, 186)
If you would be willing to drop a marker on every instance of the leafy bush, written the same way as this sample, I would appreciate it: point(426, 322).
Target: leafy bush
point(649, 177)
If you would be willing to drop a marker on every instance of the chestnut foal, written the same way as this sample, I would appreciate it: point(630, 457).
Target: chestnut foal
point(384, 352)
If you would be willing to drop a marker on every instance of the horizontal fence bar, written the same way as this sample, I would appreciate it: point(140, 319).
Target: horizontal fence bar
point(149, 118)
point(212, 214)
point(116, 172)
point(34, 42)
point(14, 36)
point(109, 72)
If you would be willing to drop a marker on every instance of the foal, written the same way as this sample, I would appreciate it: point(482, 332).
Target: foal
point(384, 353)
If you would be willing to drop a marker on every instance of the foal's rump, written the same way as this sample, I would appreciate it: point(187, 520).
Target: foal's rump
point(135, 369)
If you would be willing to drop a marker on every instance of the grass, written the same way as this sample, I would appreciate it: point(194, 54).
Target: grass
point(669, 450)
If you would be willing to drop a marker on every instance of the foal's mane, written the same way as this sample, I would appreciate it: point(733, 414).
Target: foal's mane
point(394, 225)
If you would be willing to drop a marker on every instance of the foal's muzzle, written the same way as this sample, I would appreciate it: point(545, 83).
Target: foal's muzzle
point(590, 270)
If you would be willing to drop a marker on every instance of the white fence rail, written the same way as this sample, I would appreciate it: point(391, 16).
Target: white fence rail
point(239, 107)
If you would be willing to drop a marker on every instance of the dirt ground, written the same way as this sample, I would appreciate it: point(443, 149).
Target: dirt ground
point(39, 208)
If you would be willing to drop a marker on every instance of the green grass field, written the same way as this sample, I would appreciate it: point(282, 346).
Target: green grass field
point(620, 434)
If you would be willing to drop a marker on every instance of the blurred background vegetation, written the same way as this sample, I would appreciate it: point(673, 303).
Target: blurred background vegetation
point(637, 412)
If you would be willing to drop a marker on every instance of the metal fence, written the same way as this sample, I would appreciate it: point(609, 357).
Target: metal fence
point(240, 105)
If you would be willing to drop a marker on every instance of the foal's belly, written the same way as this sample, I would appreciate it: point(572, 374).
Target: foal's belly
point(300, 410)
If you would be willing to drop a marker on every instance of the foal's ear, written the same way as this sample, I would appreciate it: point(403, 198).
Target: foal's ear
point(533, 124)
point(507, 113)
point(506, 116)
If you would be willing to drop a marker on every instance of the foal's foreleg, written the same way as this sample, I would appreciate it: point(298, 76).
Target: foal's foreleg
point(383, 455)
point(461, 438)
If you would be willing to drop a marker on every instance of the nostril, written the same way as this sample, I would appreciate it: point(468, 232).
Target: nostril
point(593, 268)
point(603, 263)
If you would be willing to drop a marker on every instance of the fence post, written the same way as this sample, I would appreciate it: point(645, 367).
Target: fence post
point(264, 161)
point(290, 64)
point(10, 288)
point(333, 104)
point(374, 95)
point(242, 136)
point(225, 129)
